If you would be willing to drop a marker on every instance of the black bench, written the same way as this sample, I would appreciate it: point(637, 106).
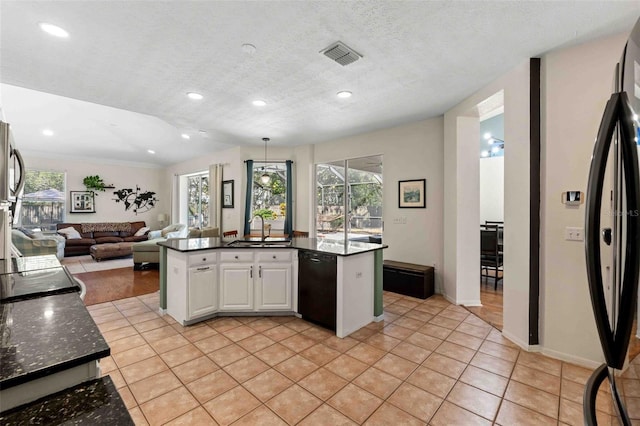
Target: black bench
point(408, 279)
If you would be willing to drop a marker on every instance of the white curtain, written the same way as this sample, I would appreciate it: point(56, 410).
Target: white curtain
point(215, 198)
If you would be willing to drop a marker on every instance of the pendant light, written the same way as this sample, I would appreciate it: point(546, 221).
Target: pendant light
point(265, 178)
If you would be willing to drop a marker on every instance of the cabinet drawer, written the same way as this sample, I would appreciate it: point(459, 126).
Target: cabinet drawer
point(236, 256)
point(202, 258)
point(274, 256)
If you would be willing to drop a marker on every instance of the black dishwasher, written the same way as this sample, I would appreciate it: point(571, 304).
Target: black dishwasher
point(317, 289)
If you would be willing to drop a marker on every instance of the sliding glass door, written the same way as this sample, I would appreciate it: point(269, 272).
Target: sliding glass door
point(349, 199)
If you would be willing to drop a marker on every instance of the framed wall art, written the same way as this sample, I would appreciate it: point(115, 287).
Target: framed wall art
point(412, 194)
point(227, 194)
point(82, 202)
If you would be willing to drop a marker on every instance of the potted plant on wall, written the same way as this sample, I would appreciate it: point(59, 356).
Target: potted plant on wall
point(95, 183)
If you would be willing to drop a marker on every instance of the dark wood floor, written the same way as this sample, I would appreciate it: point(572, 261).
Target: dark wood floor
point(116, 284)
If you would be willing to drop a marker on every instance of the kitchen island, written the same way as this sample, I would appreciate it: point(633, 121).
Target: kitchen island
point(335, 284)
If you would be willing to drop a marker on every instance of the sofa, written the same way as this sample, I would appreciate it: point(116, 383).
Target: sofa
point(149, 251)
point(99, 233)
point(31, 243)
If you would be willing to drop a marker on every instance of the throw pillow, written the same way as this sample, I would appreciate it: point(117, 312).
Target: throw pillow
point(155, 234)
point(70, 233)
point(25, 231)
point(141, 231)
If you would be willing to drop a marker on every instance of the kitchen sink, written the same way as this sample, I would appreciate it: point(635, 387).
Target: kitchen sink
point(259, 243)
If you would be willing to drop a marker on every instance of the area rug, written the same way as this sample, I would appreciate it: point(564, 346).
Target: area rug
point(116, 284)
point(78, 264)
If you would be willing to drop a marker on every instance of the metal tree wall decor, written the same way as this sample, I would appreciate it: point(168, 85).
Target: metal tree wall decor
point(140, 201)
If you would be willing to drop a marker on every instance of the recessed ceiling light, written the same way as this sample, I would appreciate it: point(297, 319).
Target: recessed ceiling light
point(194, 96)
point(203, 133)
point(484, 153)
point(248, 48)
point(495, 149)
point(185, 136)
point(487, 136)
point(150, 151)
point(344, 94)
point(47, 132)
point(259, 102)
point(53, 30)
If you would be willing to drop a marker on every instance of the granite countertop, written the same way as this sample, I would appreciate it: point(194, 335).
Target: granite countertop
point(335, 247)
point(96, 402)
point(36, 283)
point(46, 335)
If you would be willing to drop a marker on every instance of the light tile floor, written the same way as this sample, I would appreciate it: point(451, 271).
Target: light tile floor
point(429, 362)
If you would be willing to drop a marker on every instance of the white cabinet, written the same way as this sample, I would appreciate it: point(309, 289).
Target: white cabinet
point(273, 289)
point(259, 280)
point(192, 285)
point(203, 290)
point(236, 286)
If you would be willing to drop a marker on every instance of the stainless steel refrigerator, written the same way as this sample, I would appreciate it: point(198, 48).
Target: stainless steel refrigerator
point(612, 229)
point(12, 175)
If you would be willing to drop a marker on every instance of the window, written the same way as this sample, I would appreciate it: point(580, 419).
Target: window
point(269, 195)
point(198, 200)
point(362, 179)
point(43, 202)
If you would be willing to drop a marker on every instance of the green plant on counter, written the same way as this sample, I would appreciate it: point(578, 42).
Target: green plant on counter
point(94, 183)
point(265, 214)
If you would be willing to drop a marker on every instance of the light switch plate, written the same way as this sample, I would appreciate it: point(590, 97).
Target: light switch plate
point(572, 233)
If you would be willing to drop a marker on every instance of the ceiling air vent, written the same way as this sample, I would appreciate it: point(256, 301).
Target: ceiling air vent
point(341, 53)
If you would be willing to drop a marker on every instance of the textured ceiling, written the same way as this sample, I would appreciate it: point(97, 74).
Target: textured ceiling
point(419, 59)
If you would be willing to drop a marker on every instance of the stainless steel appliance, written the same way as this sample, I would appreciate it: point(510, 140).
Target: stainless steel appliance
point(12, 171)
point(12, 176)
point(612, 228)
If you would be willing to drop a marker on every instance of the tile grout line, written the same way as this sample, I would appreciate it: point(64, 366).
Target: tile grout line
point(320, 341)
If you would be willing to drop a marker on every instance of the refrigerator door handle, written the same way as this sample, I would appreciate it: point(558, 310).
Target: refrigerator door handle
point(23, 171)
point(614, 340)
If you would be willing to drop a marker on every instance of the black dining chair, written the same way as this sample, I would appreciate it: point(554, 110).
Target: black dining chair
point(490, 253)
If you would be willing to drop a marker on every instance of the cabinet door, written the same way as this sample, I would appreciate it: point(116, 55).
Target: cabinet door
point(236, 286)
point(203, 290)
point(274, 286)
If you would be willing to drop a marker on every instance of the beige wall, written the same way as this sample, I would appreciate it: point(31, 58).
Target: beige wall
point(462, 208)
point(577, 82)
point(121, 176)
point(412, 151)
point(491, 189)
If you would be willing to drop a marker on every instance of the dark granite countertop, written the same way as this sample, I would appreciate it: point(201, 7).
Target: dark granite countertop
point(336, 247)
point(46, 335)
point(36, 283)
point(96, 402)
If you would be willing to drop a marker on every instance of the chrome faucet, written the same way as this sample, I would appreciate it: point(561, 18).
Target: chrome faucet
point(262, 236)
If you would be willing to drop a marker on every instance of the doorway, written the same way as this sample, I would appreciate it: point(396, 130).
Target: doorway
point(491, 157)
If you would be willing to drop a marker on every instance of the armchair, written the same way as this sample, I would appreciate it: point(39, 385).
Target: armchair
point(148, 251)
point(176, 230)
point(36, 244)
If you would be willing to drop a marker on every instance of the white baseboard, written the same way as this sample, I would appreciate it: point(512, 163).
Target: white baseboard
point(471, 303)
point(583, 362)
point(449, 299)
point(378, 318)
point(523, 344)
